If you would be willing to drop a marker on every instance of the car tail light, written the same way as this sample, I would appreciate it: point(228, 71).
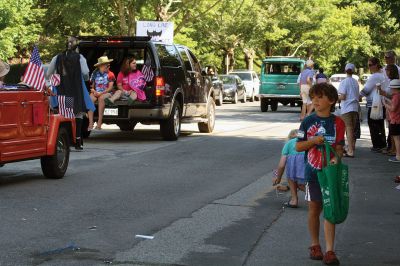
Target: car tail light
point(160, 86)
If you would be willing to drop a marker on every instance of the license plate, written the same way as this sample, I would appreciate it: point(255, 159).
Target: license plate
point(281, 87)
point(111, 111)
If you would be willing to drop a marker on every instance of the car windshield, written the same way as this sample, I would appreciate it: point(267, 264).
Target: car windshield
point(282, 68)
point(337, 79)
point(243, 75)
point(228, 79)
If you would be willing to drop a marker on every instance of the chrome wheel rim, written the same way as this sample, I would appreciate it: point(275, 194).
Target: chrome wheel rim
point(61, 153)
point(211, 116)
point(176, 121)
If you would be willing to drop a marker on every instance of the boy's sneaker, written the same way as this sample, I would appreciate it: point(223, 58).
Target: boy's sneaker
point(316, 252)
point(394, 160)
point(331, 259)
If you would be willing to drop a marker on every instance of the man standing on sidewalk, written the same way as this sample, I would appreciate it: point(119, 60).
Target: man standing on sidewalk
point(306, 81)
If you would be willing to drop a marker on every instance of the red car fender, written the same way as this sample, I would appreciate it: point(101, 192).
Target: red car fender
point(56, 121)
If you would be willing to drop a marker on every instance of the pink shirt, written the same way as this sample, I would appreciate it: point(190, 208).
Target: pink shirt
point(395, 114)
point(133, 81)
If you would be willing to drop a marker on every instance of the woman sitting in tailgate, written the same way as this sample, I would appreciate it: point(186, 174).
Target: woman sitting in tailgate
point(130, 82)
point(102, 86)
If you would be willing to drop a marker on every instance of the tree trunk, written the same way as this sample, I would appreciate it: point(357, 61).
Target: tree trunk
point(249, 58)
point(122, 17)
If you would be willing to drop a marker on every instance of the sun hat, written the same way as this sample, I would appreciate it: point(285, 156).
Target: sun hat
point(351, 67)
point(395, 84)
point(309, 63)
point(4, 69)
point(103, 60)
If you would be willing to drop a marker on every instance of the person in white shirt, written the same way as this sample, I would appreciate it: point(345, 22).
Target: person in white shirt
point(349, 95)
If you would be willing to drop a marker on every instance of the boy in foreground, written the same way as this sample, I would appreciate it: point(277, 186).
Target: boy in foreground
point(317, 128)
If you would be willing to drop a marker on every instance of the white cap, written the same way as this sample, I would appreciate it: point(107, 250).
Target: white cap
point(394, 84)
point(351, 67)
point(309, 63)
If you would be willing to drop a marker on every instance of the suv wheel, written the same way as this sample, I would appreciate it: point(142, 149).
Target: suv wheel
point(127, 126)
point(244, 100)
point(171, 127)
point(235, 98)
point(208, 126)
point(56, 165)
point(264, 105)
point(220, 100)
point(274, 106)
point(252, 97)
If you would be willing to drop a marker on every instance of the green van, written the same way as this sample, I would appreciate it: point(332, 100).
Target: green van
point(278, 82)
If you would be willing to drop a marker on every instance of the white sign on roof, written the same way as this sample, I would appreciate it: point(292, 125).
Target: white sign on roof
point(159, 31)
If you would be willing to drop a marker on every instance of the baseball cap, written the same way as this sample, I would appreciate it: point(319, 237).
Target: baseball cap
point(351, 67)
point(309, 63)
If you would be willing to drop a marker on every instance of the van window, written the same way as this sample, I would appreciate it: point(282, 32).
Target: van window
point(168, 55)
point(282, 68)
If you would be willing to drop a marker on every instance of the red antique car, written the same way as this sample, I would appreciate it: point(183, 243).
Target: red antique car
point(30, 130)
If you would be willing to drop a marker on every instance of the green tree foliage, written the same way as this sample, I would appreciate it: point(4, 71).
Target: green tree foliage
point(237, 32)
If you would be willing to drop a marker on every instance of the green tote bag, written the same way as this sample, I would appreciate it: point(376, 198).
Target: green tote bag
point(334, 182)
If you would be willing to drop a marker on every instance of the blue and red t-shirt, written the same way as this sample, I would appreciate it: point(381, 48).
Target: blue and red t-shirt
point(332, 128)
point(101, 80)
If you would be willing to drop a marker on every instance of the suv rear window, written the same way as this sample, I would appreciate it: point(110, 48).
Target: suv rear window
point(282, 68)
point(168, 55)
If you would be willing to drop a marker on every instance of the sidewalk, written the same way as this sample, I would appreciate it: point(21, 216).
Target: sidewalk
point(369, 236)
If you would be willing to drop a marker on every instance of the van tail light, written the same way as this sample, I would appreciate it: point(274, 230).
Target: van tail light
point(160, 86)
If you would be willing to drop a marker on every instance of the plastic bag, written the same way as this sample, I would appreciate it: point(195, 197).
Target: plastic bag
point(334, 182)
point(377, 108)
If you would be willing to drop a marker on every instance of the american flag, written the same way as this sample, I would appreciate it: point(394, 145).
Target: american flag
point(55, 80)
point(34, 73)
point(148, 71)
point(66, 106)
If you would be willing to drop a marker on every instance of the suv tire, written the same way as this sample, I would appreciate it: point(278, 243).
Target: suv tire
point(208, 127)
point(171, 127)
point(56, 165)
point(220, 100)
point(127, 126)
point(264, 105)
point(274, 105)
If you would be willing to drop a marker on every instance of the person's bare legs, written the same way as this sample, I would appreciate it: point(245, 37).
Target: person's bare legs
point(116, 96)
point(293, 192)
point(397, 145)
point(314, 211)
point(102, 106)
point(329, 231)
point(91, 113)
point(133, 95)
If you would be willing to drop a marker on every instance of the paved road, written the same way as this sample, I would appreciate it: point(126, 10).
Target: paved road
point(207, 199)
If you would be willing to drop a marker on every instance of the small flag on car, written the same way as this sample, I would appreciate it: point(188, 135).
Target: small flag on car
point(66, 106)
point(55, 80)
point(147, 70)
point(34, 73)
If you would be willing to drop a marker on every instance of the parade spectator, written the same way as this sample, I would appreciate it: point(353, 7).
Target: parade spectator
point(321, 77)
point(4, 69)
point(317, 128)
point(293, 161)
point(130, 82)
point(349, 95)
point(102, 80)
point(376, 126)
point(306, 81)
point(393, 106)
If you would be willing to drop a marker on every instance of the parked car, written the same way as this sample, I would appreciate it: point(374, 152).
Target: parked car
point(216, 84)
point(179, 92)
point(337, 78)
point(29, 130)
point(234, 89)
point(279, 82)
point(251, 82)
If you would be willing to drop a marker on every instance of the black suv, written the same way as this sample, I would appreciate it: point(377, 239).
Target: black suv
point(180, 91)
